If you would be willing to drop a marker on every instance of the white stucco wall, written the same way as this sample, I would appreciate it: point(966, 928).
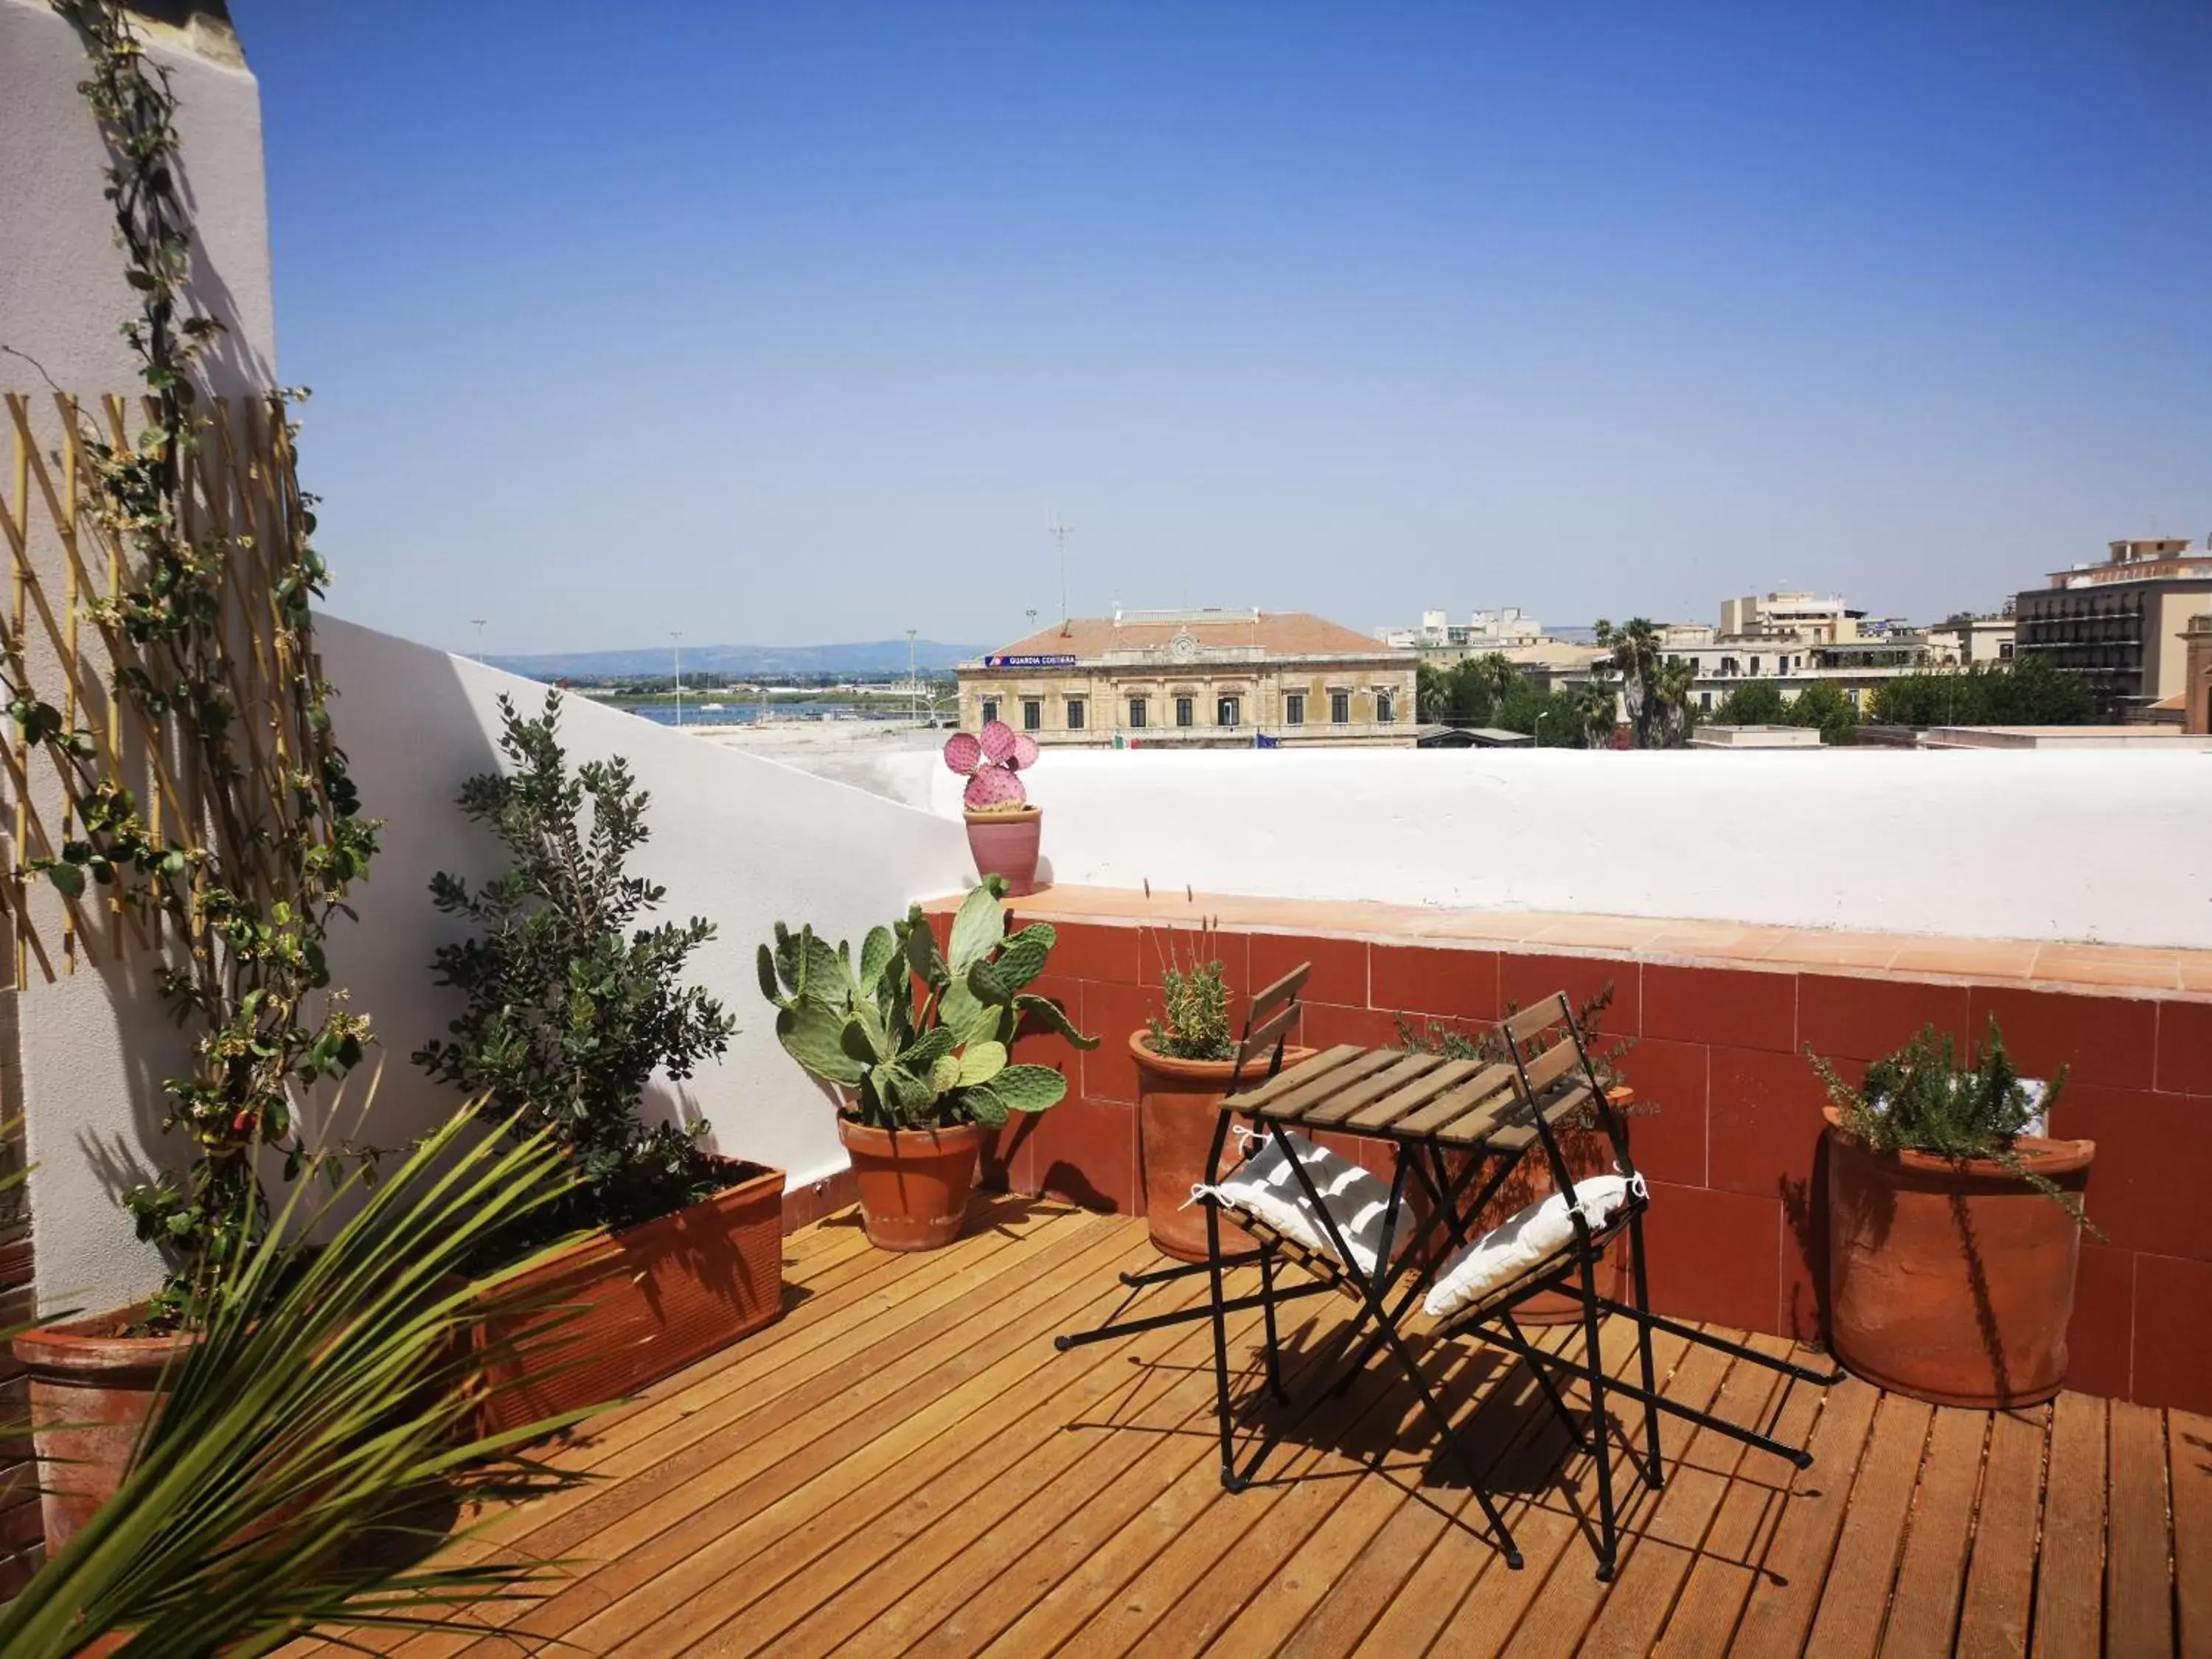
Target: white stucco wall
point(62, 292)
point(2115, 847)
point(95, 1044)
point(742, 841)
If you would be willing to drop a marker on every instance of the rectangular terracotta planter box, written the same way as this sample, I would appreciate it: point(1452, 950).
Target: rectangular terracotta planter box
point(652, 1299)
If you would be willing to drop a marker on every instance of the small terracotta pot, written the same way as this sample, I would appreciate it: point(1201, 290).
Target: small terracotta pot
point(1953, 1282)
point(1005, 844)
point(914, 1183)
point(92, 1391)
point(653, 1298)
point(1178, 1104)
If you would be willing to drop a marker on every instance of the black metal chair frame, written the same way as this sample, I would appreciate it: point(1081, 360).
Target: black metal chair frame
point(1268, 1024)
point(1574, 1271)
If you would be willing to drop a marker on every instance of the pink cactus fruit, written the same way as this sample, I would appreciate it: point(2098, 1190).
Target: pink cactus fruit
point(994, 789)
point(962, 752)
point(999, 741)
point(1026, 751)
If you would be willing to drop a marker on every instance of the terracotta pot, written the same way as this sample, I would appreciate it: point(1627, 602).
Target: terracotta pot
point(91, 1391)
point(1178, 1103)
point(914, 1183)
point(654, 1297)
point(1953, 1282)
point(1005, 844)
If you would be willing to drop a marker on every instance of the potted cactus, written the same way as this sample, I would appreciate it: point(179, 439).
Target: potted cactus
point(918, 1042)
point(1003, 828)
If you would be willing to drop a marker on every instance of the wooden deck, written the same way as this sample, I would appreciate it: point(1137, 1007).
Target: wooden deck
point(905, 1464)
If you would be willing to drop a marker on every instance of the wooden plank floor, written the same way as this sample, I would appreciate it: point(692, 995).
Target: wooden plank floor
point(905, 1464)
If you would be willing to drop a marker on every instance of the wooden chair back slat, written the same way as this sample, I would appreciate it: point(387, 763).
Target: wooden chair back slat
point(1537, 1016)
point(1284, 989)
point(1258, 1039)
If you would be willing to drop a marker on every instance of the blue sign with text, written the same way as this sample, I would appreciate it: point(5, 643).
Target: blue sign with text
point(1029, 662)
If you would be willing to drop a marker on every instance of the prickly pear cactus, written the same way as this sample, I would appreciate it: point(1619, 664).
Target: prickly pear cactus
point(989, 764)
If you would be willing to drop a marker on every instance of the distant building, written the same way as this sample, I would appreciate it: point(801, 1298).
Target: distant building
point(1756, 736)
point(2197, 696)
point(1791, 616)
point(1972, 641)
point(1205, 679)
point(2119, 625)
point(1440, 640)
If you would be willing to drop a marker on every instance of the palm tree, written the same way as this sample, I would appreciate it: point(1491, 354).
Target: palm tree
point(1655, 692)
point(324, 1411)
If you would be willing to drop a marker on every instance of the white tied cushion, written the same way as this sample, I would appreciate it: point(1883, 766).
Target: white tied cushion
point(1265, 1186)
point(1511, 1248)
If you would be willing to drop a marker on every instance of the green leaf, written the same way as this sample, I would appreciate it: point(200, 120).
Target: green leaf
point(1030, 1088)
point(944, 1073)
point(976, 930)
point(985, 1105)
point(875, 953)
point(813, 1035)
point(982, 1061)
point(1023, 959)
point(68, 879)
point(1053, 1017)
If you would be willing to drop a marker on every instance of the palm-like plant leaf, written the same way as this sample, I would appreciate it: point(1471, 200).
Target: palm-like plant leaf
point(324, 1406)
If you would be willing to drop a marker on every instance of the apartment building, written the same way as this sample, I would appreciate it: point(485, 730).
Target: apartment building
point(2120, 625)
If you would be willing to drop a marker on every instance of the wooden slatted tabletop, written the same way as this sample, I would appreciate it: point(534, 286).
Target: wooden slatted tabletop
point(1392, 1095)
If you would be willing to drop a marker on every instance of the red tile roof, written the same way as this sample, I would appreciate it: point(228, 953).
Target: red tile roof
point(1280, 633)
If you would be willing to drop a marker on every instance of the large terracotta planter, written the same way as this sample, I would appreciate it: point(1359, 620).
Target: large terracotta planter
point(914, 1183)
point(1005, 844)
point(1178, 1103)
point(654, 1297)
point(1953, 1282)
point(91, 1392)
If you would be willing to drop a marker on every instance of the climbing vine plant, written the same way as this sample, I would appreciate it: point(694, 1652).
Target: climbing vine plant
point(264, 832)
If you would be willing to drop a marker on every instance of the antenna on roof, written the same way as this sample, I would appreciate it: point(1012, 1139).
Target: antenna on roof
point(1060, 533)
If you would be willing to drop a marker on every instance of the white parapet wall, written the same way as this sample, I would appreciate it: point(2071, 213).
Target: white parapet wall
point(742, 841)
point(2108, 847)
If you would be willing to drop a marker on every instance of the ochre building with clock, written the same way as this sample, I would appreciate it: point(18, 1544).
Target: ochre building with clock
point(1205, 679)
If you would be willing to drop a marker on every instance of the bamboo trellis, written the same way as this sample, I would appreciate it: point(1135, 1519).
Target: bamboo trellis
point(240, 493)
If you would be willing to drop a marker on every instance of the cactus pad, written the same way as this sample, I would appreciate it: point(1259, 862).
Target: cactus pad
point(994, 789)
point(999, 742)
point(1026, 751)
point(962, 752)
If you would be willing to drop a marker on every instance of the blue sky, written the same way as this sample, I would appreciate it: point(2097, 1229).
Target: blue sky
point(784, 323)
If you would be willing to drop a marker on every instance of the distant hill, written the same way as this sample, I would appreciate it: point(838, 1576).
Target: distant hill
point(741, 661)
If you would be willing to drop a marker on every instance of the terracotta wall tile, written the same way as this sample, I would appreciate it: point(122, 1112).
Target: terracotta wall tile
point(1763, 1122)
point(1014, 1156)
point(1714, 1256)
point(1670, 1143)
point(2149, 1186)
point(2185, 1048)
point(2105, 1039)
point(1094, 951)
point(2173, 1338)
point(1037, 1043)
point(1525, 977)
point(1323, 1024)
point(1803, 1312)
point(1340, 966)
point(1857, 1017)
point(1428, 980)
point(2101, 1341)
point(1111, 1013)
point(1085, 1151)
point(1741, 1008)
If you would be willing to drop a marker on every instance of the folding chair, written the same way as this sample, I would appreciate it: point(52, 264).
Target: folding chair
point(1268, 1025)
point(1556, 1084)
